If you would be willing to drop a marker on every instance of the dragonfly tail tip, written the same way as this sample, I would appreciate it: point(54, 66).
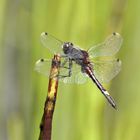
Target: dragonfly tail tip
point(114, 106)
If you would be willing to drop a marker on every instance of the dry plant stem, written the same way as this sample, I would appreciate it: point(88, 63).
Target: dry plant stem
point(46, 123)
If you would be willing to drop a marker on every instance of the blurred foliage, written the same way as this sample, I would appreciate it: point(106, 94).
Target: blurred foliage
point(81, 112)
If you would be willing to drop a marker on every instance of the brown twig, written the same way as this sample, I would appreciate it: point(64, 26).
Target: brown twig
point(46, 123)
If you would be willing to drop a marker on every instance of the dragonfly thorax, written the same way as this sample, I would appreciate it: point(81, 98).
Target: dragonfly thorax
point(74, 53)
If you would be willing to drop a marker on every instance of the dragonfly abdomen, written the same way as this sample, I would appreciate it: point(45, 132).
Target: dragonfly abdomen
point(90, 73)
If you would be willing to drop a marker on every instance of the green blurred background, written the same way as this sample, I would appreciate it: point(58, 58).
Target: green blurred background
point(81, 112)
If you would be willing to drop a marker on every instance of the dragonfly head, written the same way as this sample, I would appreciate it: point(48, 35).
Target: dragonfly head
point(67, 47)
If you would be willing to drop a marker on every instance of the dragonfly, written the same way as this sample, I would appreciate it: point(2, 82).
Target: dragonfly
point(99, 63)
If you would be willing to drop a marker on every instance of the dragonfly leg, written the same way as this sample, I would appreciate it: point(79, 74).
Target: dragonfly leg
point(69, 68)
point(64, 63)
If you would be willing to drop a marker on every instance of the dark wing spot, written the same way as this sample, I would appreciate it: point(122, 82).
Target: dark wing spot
point(118, 60)
point(42, 60)
point(46, 33)
point(114, 33)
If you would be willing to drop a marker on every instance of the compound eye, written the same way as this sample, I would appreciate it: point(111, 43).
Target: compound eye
point(66, 48)
point(71, 44)
point(66, 45)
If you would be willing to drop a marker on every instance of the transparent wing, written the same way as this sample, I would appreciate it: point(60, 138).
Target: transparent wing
point(106, 69)
point(77, 76)
point(43, 66)
point(50, 42)
point(109, 47)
